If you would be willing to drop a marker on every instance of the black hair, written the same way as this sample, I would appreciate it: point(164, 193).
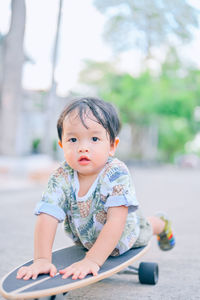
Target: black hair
point(104, 112)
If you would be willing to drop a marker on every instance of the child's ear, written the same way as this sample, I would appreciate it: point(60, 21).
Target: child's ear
point(116, 142)
point(60, 144)
point(113, 146)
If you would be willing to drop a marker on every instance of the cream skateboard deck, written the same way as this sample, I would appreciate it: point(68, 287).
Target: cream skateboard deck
point(46, 286)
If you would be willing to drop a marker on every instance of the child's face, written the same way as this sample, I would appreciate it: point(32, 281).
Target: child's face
point(86, 150)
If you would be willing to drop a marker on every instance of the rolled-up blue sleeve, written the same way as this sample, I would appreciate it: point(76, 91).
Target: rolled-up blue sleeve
point(50, 209)
point(122, 200)
point(118, 189)
point(54, 200)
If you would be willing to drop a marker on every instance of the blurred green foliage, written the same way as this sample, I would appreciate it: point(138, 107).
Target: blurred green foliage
point(36, 145)
point(147, 24)
point(167, 100)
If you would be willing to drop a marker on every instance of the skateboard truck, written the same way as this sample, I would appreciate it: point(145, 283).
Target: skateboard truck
point(53, 297)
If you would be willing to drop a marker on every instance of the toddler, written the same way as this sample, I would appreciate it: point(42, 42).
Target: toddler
point(92, 192)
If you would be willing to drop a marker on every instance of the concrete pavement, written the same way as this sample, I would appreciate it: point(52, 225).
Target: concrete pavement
point(174, 191)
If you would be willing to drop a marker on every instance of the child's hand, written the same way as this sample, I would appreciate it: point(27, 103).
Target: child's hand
point(80, 269)
point(40, 266)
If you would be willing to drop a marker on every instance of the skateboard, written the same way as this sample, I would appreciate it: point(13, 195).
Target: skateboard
point(56, 287)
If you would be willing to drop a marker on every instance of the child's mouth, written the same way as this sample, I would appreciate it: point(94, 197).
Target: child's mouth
point(84, 160)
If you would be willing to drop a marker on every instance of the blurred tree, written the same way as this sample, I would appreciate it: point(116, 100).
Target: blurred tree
point(146, 100)
point(94, 72)
point(165, 101)
point(10, 97)
point(145, 24)
point(48, 138)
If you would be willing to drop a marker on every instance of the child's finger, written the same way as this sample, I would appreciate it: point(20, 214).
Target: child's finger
point(28, 275)
point(53, 271)
point(76, 275)
point(66, 273)
point(62, 271)
point(21, 273)
point(35, 275)
point(82, 275)
point(94, 273)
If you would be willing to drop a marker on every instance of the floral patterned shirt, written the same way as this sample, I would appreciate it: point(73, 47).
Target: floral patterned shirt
point(84, 217)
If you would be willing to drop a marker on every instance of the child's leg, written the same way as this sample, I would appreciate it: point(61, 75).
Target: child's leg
point(161, 227)
point(157, 224)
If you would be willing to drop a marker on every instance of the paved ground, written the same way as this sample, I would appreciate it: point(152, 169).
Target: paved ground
point(175, 191)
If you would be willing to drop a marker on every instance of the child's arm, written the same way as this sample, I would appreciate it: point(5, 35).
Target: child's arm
point(103, 247)
point(44, 236)
point(110, 235)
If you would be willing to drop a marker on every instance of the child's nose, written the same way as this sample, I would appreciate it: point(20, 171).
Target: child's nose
point(83, 147)
point(83, 150)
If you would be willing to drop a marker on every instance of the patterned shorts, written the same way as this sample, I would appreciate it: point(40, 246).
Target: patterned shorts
point(145, 231)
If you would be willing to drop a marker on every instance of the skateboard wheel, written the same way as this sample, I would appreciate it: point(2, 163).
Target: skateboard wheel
point(148, 273)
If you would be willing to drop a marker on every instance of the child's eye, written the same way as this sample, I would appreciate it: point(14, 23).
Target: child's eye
point(95, 139)
point(73, 140)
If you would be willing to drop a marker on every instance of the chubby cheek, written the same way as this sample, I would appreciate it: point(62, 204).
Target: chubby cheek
point(101, 155)
point(69, 155)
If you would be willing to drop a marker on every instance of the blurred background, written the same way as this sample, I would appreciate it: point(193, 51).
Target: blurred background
point(142, 56)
